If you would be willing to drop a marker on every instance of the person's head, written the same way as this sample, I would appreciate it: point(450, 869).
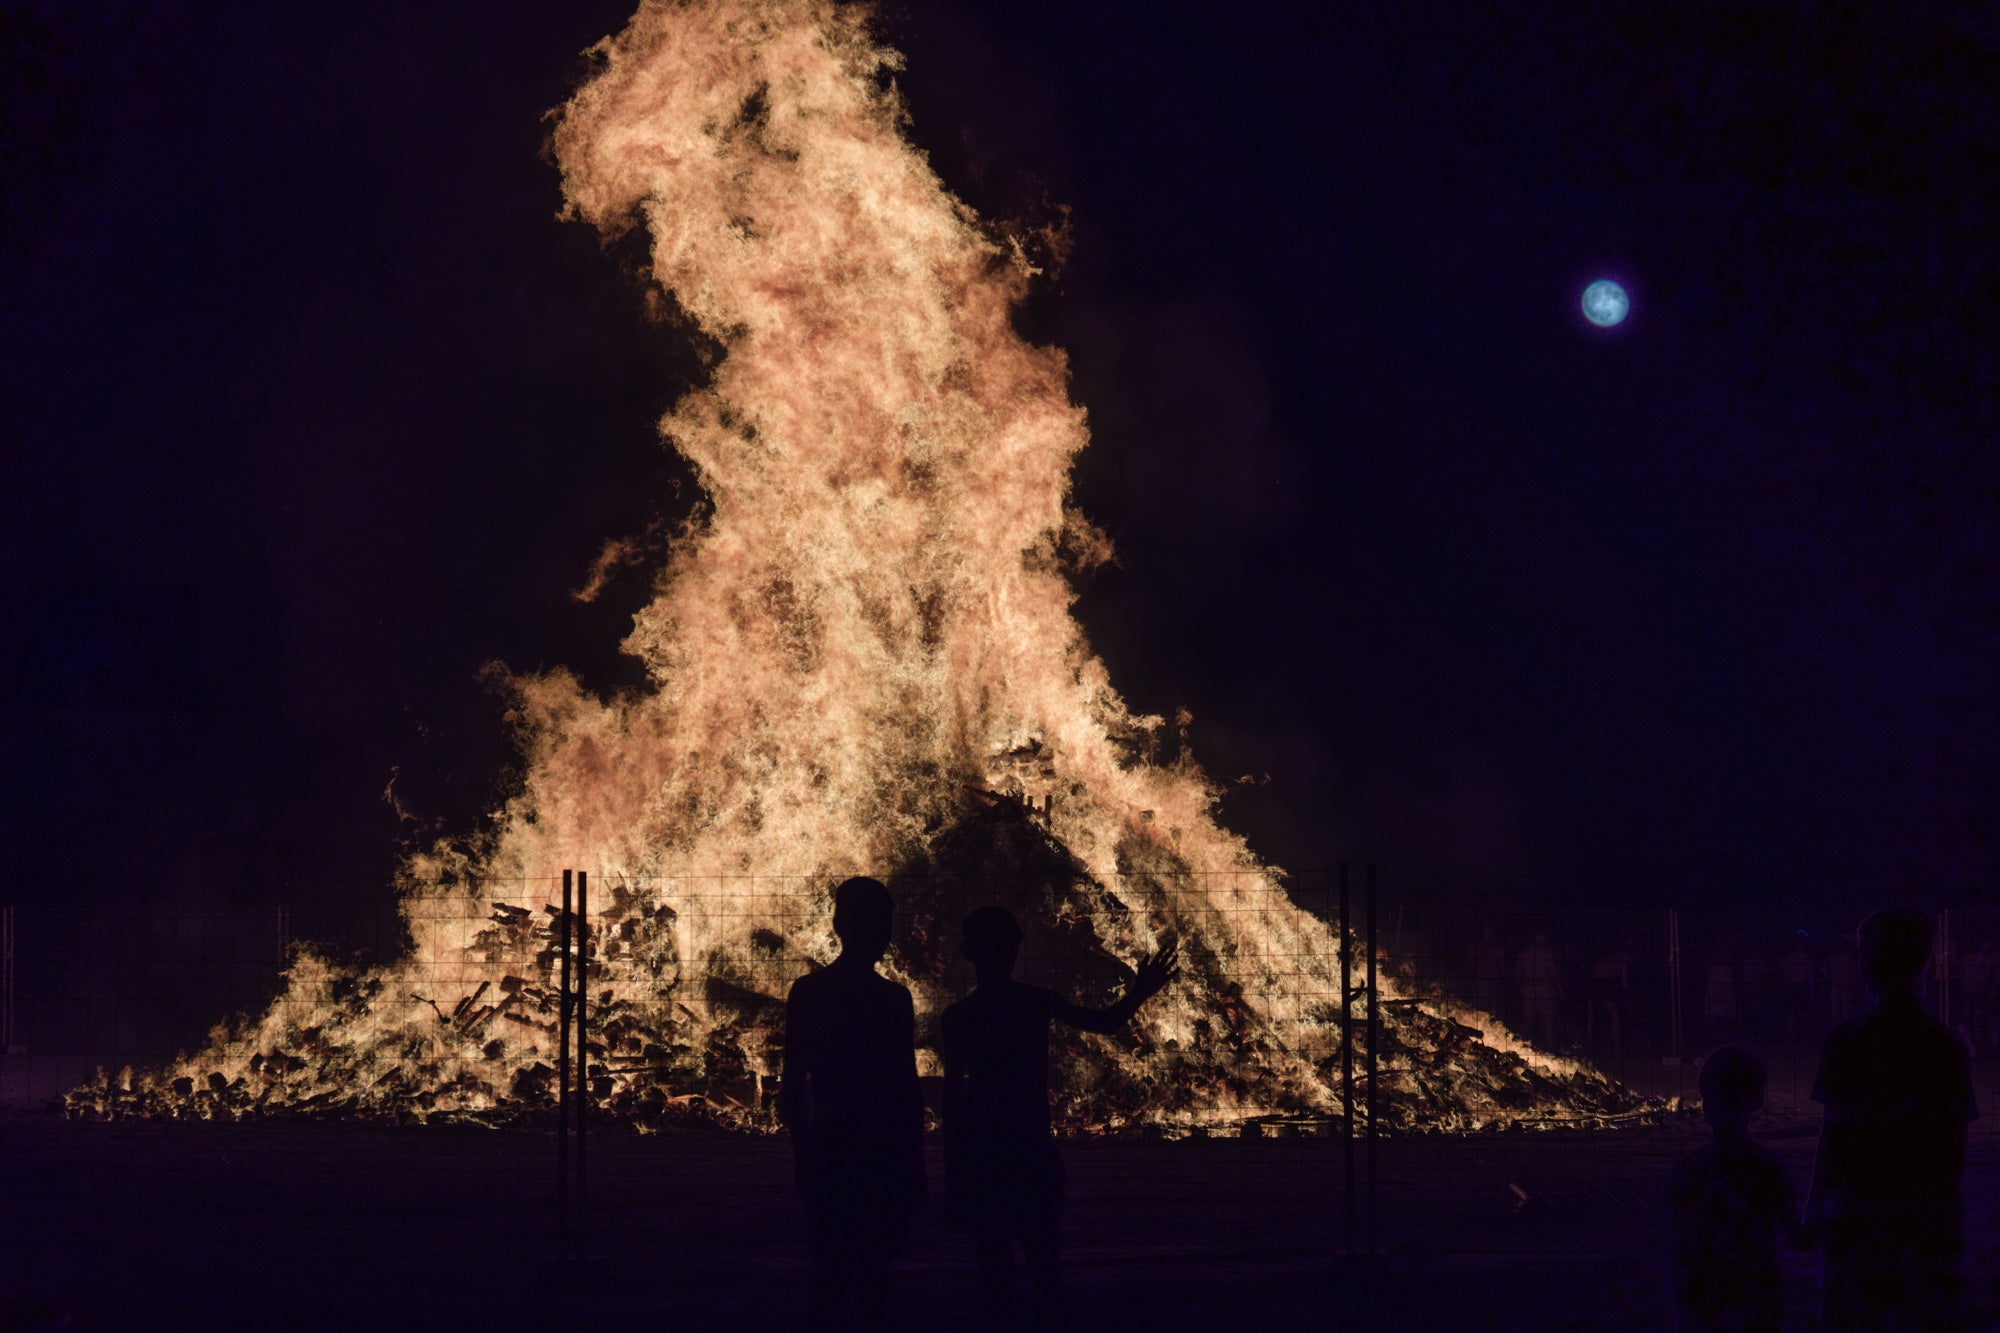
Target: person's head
point(1895, 944)
point(992, 940)
point(1732, 1087)
point(861, 912)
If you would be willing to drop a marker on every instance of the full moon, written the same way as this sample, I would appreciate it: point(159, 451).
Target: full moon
point(1605, 303)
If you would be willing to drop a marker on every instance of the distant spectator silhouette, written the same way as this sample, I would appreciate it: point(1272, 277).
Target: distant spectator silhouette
point(1896, 1088)
point(1539, 981)
point(1730, 1203)
point(1003, 1176)
point(850, 1098)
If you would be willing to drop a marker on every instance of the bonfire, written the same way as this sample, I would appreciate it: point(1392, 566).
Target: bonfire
point(860, 658)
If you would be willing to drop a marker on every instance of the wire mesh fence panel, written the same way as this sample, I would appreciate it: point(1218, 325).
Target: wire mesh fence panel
point(1494, 1017)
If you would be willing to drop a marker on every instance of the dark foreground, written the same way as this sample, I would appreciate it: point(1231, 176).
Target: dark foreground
point(300, 1225)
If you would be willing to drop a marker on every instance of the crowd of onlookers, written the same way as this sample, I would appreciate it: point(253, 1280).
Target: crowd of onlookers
point(1568, 983)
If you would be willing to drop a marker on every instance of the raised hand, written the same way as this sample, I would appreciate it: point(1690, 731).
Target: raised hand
point(1157, 971)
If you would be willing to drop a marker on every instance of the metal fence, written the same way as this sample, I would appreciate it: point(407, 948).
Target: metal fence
point(1640, 992)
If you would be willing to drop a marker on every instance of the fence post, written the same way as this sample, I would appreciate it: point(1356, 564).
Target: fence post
point(1374, 1071)
point(1346, 1063)
point(562, 1065)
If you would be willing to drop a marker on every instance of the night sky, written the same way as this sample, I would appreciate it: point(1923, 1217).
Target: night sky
point(310, 407)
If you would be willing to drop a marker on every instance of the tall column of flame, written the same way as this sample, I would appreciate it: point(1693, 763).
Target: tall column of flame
point(875, 614)
point(872, 621)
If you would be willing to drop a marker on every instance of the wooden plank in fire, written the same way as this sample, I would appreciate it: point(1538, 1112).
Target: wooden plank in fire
point(466, 1004)
point(476, 1018)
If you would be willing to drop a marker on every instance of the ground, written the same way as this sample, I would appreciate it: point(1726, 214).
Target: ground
point(304, 1225)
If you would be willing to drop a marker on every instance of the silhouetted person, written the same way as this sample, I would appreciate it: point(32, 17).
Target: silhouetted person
point(850, 1097)
point(1003, 1176)
point(1730, 1202)
point(1896, 1088)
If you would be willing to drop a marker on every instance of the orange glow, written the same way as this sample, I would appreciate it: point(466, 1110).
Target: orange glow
point(868, 632)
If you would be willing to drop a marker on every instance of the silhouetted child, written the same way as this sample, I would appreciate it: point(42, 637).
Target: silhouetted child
point(1003, 1176)
point(1730, 1202)
point(1896, 1088)
point(850, 1097)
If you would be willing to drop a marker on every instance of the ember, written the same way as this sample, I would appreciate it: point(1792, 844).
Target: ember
point(861, 661)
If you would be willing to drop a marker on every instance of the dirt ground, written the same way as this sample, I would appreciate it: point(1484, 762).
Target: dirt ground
point(303, 1225)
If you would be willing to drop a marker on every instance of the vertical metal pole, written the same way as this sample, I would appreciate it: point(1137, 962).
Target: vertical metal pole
point(582, 1052)
point(562, 1064)
point(1374, 1070)
point(1347, 1060)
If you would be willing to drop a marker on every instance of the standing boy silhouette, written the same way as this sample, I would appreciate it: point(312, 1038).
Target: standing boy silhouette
point(849, 1096)
point(1730, 1202)
point(1003, 1176)
point(1896, 1087)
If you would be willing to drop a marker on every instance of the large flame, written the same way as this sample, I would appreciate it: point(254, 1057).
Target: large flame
point(869, 631)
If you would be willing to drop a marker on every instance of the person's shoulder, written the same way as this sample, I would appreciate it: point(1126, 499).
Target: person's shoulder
point(1008, 1001)
point(1941, 1034)
point(1911, 1029)
point(810, 984)
point(888, 991)
point(1698, 1160)
point(1038, 999)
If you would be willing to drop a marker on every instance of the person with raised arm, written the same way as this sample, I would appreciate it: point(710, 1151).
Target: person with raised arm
point(1003, 1175)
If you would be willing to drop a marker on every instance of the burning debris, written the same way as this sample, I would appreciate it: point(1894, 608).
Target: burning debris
point(863, 658)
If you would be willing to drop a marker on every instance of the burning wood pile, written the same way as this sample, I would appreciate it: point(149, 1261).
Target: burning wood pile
point(671, 1046)
point(860, 655)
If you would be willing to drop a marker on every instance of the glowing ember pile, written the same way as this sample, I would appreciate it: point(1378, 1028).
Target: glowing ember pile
point(861, 662)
